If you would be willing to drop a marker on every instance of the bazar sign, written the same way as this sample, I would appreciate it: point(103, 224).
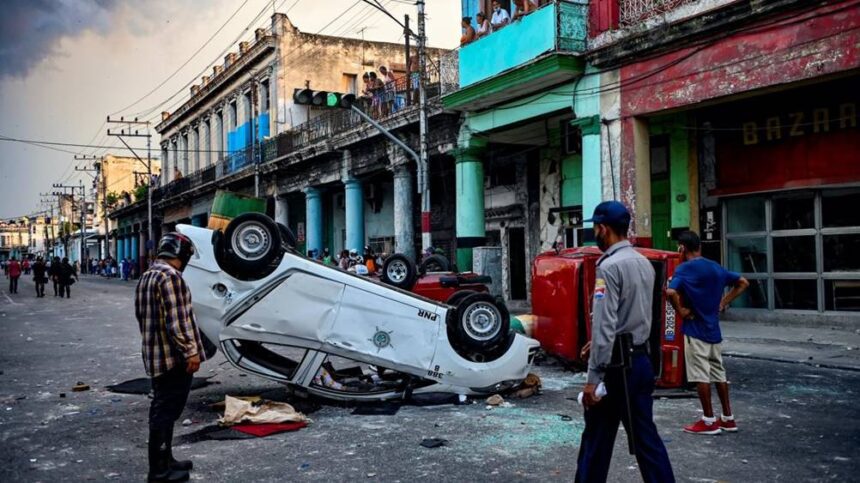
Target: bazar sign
point(800, 123)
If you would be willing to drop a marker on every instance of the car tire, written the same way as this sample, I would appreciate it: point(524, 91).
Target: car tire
point(399, 271)
point(287, 236)
point(252, 243)
point(458, 296)
point(434, 263)
point(482, 322)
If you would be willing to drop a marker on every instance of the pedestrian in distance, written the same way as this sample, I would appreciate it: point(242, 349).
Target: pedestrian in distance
point(54, 274)
point(25, 265)
point(172, 349)
point(40, 276)
point(67, 277)
point(13, 273)
point(696, 293)
point(618, 356)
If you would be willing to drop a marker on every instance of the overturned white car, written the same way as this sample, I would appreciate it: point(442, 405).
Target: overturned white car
point(334, 334)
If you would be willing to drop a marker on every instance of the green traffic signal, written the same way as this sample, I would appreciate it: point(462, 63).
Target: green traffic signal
point(333, 99)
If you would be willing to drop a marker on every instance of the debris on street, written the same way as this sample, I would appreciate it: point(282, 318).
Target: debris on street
point(433, 442)
point(80, 387)
point(239, 411)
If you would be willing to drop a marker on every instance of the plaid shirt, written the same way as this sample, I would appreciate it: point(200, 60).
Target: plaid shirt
point(167, 325)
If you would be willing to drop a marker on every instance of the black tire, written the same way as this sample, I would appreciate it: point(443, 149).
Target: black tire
point(252, 243)
point(399, 271)
point(458, 296)
point(482, 322)
point(287, 236)
point(434, 263)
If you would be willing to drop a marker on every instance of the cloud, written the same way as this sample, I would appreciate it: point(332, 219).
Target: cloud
point(31, 29)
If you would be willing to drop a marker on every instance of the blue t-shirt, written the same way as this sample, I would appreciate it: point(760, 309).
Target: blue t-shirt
point(701, 283)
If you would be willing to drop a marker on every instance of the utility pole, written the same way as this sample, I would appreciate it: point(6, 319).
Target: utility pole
point(424, 168)
point(83, 220)
point(60, 195)
point(150, 244)
point(95, 179)
point(407, 34)
point(254, 136)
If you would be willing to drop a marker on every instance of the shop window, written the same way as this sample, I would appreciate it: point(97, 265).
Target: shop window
point(796, 254)
point(794, 212)
point(795, 294)
point(755, 297)
point(842, 253)
point(747, 255)
point(840, 208)
point(842, 295)
point(384, 244)
point(745, 215)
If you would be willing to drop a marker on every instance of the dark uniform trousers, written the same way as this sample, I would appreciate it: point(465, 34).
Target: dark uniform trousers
point(170, 393)
point(601, 427)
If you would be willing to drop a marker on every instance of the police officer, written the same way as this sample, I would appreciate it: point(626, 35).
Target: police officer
point(621, 310)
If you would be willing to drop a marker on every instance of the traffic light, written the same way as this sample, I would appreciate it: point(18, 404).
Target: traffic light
point(307, 97)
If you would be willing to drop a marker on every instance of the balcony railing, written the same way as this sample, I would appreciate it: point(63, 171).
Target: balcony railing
point(632, 12)
point(559, 26)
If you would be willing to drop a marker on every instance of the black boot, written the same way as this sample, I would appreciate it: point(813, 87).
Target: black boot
point(181, 465)
point(159, 460)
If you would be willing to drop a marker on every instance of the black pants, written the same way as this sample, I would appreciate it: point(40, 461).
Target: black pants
point(170, 393)
point(40, 289)
point(56, 288)
point(13, 284)
point(65, 290)
point(601, 427)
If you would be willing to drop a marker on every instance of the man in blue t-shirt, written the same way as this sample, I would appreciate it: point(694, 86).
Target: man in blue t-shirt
point(696, 293)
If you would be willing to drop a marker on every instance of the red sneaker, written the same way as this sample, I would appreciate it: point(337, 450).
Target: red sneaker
point(701, 427)
point(728, 425)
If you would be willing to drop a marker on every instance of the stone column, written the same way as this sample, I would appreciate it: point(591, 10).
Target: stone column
point(591, 179)
point(120, 247)
point(354, 205)
point(282, 210)
point(313, 219)
point(470, 199)
point(404, 227)
point(135, 248)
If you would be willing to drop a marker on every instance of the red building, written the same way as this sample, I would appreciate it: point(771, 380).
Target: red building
point(739, 119)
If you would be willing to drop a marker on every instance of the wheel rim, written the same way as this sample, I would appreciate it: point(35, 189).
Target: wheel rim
point(482, 321)
point(251, 241)
point(397, 271)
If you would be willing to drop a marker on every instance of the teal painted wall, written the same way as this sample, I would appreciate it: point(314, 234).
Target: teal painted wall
point(514, 45)
point(554, 100)
point(571, 180)
point(587, 104)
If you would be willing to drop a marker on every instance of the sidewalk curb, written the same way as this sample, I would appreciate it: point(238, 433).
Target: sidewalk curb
point(790, 361)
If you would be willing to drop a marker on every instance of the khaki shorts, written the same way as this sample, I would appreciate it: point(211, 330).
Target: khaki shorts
point(704, 361)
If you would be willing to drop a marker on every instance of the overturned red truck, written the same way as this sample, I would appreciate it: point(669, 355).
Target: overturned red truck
point(562, 295)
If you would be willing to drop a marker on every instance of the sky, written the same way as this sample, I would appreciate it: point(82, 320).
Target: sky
point(67, 64)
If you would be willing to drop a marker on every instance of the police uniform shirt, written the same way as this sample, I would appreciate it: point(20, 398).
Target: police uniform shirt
point(622, 304)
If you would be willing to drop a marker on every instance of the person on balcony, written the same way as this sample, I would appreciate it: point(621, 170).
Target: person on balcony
point(377, 89)
point(390, 83)
point(483, 25)
point(524, 7)
point(500, 16)
point(468, 31)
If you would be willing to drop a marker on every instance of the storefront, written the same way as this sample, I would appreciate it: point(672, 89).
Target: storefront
point(781, 178)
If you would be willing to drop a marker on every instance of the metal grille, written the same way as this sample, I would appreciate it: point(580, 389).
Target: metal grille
point(635, 11)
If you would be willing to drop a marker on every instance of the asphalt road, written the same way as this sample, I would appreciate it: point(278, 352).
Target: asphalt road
point(797, 423)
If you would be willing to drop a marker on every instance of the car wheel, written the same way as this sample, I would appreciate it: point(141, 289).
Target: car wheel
point(287, 236)
point(458, 296)
point(434, 263)
point(399, 271)
point(482, 322)
point(252, 242)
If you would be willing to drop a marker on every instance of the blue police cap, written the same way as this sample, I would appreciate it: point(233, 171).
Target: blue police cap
point(610, 212)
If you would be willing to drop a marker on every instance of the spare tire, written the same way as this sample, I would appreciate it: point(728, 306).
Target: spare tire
point(399, 271)
point(482, 322)
point(252, 243)
point(434, 263)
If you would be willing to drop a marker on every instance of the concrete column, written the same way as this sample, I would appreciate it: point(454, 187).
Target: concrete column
point(641, 203)
point(404, 228)
point(470, 199)
point(354, 204)
point(313, 219)
point(127, 252)
point(120, 248)
point(591, 179)
point(141, 255)
point(282, 210)
point(134, 254)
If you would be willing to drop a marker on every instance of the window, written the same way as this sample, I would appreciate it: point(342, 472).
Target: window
point(383, 244)
point(799, 250)
point(349, 83)
point(264, 96)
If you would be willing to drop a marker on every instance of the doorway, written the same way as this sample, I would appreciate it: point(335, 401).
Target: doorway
point(661, 193)
point(517, 262)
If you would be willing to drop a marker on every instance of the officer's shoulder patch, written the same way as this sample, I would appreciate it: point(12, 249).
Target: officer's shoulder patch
point(599, 288)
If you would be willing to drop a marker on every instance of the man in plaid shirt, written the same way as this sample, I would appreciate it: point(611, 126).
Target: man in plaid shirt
point(172, 350)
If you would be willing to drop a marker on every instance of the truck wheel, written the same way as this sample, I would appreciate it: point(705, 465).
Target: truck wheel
point(434, 263)
point(482, 323)
point(287, 236)
point(458, 296)
point(399, 271)
point(252, 242)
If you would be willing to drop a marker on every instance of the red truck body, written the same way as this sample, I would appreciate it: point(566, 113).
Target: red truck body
point(442, 285)
point(562, 290)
